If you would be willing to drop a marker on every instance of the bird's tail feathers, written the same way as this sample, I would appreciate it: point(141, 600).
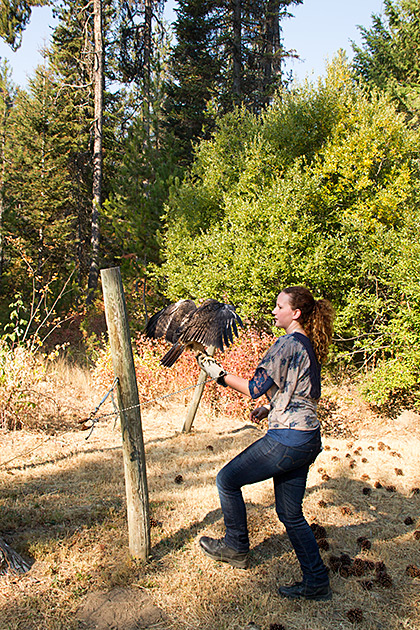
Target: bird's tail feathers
point(172, 355)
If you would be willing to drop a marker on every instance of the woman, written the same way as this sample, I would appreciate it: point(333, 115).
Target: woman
point(289, 375)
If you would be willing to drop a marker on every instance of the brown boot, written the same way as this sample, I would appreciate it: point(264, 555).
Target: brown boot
point(217, 549)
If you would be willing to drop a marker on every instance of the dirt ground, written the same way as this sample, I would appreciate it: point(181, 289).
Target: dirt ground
point(62, 502)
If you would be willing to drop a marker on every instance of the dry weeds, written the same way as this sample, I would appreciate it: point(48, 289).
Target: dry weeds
point(63, 507)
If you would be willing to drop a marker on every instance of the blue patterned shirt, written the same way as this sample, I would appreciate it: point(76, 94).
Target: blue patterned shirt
point(295, 375)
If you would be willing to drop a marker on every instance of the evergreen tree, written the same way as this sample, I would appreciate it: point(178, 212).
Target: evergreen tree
point(250, 40)
point(135, 205)
point(98, 81)
point(195, 74)
point(228, 53)
point(7, 96)
point(71, 57)
point(131, 39)
point(14, 17)
point(144, 170)
point(390, 53)
point(40, 215)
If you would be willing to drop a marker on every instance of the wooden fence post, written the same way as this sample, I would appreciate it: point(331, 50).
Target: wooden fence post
point(198, 392)
point(128, 402)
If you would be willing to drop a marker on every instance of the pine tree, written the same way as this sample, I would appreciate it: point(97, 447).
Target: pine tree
point(97, 162)
point(252, 52)
point(263, 52)
point(71, 57)
point(228, 53)
point(195, 74)
point(40, 217)
point(144, 171)
point(390, 52)
point(139, 191)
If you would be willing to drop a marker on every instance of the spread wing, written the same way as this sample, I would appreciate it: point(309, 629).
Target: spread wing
point(168, 322)
point(212, 324)
point(183, 324)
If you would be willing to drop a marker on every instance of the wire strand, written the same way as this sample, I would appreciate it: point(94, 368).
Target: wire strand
point(96, 419)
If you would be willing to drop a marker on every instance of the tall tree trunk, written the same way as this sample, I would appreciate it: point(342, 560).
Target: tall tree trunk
point(2, 186)
point(6, 109)
point(271, 53)
point(148, 14)
point(237, 51)
point(98, 82)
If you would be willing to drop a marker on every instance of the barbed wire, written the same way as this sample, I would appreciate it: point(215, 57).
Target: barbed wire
point(95, 419)
point(28, 452)
point(91, 418)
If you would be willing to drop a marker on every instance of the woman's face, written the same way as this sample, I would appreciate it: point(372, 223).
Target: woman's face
point(284, 314)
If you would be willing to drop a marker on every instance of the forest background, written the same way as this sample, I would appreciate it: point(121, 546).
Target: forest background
point(200, 169)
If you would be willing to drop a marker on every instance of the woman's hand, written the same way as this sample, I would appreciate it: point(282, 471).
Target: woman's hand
point(259, 413)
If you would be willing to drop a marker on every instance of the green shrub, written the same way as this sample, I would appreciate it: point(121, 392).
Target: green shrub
point(321, 190)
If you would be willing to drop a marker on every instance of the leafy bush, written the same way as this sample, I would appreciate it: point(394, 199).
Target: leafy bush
point(21, 372)
point(321, 190)
point(155, 381)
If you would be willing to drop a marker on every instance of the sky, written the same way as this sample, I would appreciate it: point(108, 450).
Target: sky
point(320, 28)
point(317, 31)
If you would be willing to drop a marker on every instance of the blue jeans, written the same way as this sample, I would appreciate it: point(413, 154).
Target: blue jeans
point(288, 466)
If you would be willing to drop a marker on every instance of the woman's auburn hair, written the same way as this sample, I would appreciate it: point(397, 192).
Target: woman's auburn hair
point(317, 318)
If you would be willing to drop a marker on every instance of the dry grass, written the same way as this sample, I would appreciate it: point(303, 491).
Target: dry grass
point(63, 506)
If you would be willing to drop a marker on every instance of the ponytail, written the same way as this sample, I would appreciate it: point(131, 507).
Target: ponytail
point(317, 317)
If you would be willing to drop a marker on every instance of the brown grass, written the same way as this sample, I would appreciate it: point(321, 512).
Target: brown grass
point(62, 505)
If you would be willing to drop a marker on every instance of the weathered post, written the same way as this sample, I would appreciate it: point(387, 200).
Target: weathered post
point(128, 402)
point(198, 392)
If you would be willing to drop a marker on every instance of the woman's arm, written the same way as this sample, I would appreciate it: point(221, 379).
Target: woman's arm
point(238, 383)
point(256, 387)
point(259, 385)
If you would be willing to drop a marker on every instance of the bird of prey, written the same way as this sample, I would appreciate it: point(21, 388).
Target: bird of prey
point(187, 326)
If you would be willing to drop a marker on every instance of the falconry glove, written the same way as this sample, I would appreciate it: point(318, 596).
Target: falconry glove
point(211, 368)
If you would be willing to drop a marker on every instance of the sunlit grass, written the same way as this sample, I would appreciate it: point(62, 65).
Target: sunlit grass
point(63, 507)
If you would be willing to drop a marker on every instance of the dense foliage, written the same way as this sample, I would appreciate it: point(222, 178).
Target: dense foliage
point(389, 55)
point(213, 183)
point(322, 190)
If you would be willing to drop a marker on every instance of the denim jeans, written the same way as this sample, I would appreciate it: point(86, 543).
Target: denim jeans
point(288, 466)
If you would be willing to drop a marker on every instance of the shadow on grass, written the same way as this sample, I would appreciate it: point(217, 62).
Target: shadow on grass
point(178, 539)
point(54, 506)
